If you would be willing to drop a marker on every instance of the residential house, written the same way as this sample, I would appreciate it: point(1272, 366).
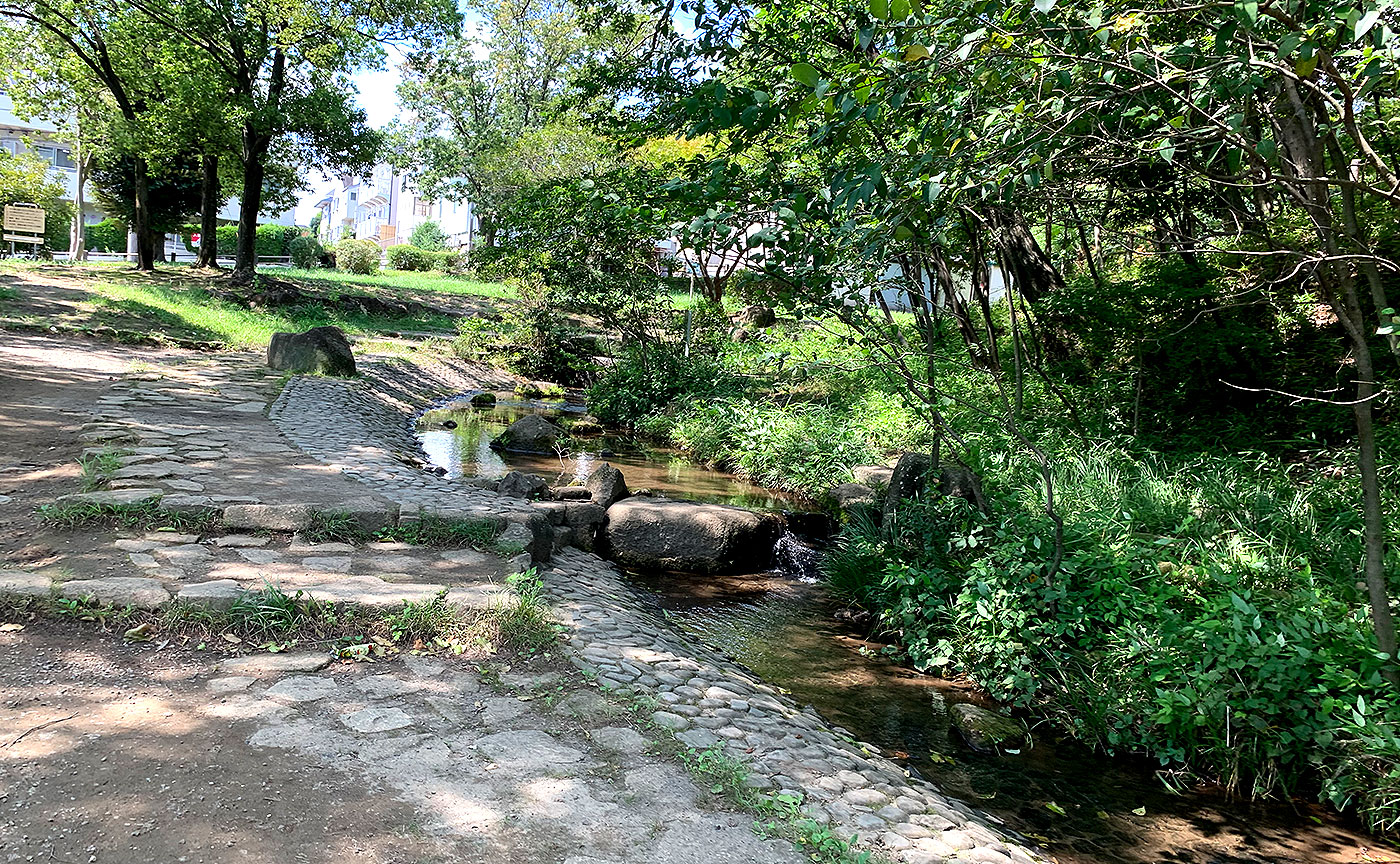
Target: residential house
point(386, 208)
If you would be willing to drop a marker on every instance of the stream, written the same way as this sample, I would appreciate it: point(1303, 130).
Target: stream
point(1083, 808)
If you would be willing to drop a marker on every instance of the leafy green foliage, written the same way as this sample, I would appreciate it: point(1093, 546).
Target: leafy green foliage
point(428, 236)
point(109, 235)
point(360, 257)
point(306, 251)
point(649, 378)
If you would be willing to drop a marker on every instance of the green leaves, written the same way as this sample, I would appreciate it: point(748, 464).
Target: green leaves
point(805, 74)
point(1247, 10)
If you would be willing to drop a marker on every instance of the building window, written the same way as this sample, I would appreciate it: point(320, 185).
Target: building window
point(422, 207)
point(47, 153)
point(352, 197)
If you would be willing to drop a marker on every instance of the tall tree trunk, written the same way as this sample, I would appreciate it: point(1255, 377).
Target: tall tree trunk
point(209, 212)
point(245, 261)
point(77, 244)
point(141, 219)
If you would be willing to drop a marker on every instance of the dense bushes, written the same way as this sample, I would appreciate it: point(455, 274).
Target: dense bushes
point(533, 338)
point(358, 256)
point(109, 235)
point(407, 257)
point(429, 237)
point(1205, 614)
point(306, 251)
point(271, 241)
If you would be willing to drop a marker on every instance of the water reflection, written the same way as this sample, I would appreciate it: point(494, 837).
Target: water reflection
point(465, 451)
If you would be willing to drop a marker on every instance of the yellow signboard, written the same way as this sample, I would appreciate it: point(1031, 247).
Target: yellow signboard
point(28, 220)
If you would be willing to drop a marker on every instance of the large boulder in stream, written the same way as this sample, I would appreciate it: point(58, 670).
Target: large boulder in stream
point(606, 486)
point(530, 434)
point(987, 731)
point(660, 534)
point(320, 351)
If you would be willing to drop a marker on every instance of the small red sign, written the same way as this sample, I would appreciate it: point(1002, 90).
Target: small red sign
point(194, 238)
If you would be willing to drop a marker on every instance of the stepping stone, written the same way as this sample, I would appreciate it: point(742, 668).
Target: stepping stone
point(204, 455)
point(526, 750)
point(171, 537)
point(241, 540)
point(383, 686)
point(230, 684)
point(303, 549)
point(184, 485)
point(190, 553)
point(144, 561)
point(17, 584)
point(153, 471)
point(501, 709)
point(376, 720)
point(119, 591)
point(423, 666)
point(114, 497)
point(372, 591)
point(392, 563)
point(258, 556)
point(619, 739)
point(218, 594)
point(302, 688)
point(334, 565)
point(137, 545)
point(152, 451)
point(700, 739)
point(667, 720)
point(272, 517)
point(465, 556)
point(262, 665)
point(248, 407)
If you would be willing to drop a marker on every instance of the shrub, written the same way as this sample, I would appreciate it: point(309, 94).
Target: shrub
point(407, 257)
point(429, 237)
point(646, 381)
point(271, 241)
point(306, 251)
point(227, 236)
point(109, 235)
point(358, 256)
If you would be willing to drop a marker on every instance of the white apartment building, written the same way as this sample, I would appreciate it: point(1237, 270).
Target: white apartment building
point(386, 208)
point(41, 138)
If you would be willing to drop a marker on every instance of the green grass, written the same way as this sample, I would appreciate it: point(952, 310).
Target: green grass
point(73, 516)
point(7, 293)
point(432, 531)
point(192, 314)
point(97, 468)
point(400, 281)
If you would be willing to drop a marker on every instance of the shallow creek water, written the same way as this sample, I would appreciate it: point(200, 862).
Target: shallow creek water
point(1114, 810)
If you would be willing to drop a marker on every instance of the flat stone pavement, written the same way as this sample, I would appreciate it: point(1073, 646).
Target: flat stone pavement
point(110, 753)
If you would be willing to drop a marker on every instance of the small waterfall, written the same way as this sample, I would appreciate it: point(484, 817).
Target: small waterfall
point(796, 558)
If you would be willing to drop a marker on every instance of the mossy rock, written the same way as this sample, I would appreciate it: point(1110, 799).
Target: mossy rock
point(484, 400)
point(987, 731)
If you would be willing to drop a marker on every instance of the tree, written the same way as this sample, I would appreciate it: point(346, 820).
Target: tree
point(427, 235)
point(108, 47)
point(491, 111)
point(173, 191)
point(282, 67)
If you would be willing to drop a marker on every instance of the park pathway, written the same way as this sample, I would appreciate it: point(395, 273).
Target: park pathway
point(565, 758)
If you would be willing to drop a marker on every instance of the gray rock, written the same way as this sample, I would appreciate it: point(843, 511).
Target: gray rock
point(219, 594)
point(519, 484)
point(240, 541)
point(483, 400)
point(698, 739)
point(659, 534)
point(134, 591)
point(585, 520)
point(957, 481)
point(371, 720)
point(986, 730)
point(606, 485)
point(500, 710)
point(258, 556)
point(667, 720)
point(849, 495)
point(526, 750)
point(263, 665)
point(908, 480)
point(619, 739)
point(269, 517)
point(16, 584)
point(757, 316)
point(530, 434)
point(570, 493)
point(872, 475)
point(302, 688)
point(190, 505)
point(320, 350)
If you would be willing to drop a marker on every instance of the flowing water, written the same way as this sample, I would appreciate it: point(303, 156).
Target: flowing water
point(1084, 808)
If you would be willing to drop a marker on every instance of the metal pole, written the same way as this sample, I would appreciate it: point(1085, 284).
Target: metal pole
point(687, 313)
